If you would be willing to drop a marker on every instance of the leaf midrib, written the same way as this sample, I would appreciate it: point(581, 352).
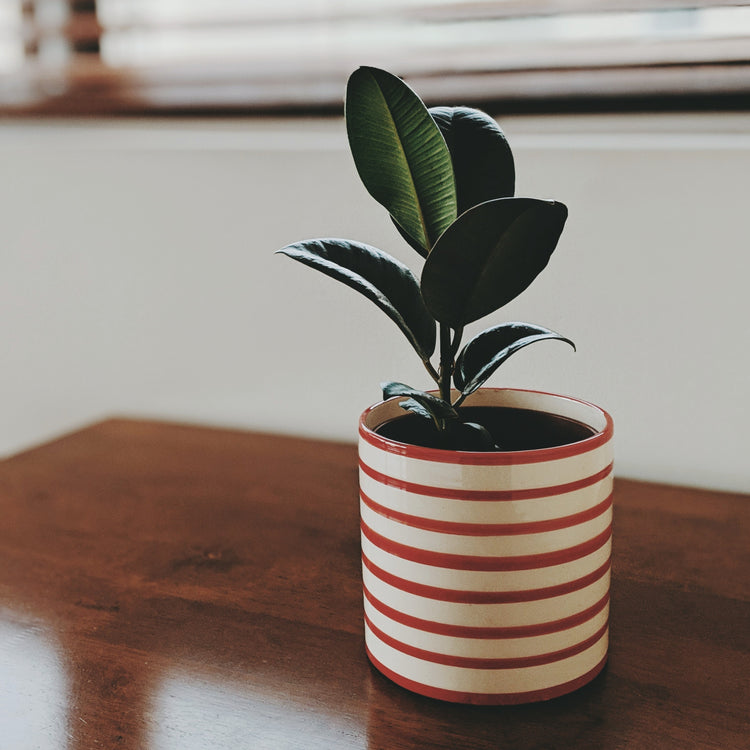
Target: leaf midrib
point(410, 170)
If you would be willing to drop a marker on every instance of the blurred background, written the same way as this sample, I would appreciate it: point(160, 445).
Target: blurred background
point(155, 153)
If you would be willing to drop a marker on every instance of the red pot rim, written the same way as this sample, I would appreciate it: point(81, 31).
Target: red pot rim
point(495, 458)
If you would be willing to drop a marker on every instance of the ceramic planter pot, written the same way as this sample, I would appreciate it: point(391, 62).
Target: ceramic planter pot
point(486, 575)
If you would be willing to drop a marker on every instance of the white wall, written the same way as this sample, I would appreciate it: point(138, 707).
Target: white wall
point(137, 278)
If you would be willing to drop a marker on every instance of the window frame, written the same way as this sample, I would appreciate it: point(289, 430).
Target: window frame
point(694, 75)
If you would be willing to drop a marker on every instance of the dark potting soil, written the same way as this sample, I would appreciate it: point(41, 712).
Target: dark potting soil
point(511, 429)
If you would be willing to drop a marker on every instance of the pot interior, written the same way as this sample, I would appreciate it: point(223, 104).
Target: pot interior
point(511, 429)
point(518, 420)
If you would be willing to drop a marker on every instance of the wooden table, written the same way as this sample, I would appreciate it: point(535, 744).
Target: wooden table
point(165, 586)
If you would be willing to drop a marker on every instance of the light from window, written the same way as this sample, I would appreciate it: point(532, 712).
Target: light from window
point(416, 33)
point(11, 38)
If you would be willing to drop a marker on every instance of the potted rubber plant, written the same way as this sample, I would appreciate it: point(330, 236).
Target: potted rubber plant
point(485, 513)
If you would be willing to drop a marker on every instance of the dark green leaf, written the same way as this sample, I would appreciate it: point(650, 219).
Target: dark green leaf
point(487, 351)
point(488, 256)
point(450, 433)
point(412, 405)
point(482, 159)
point(400, 154)
point(379, 277)
point(410, 240)
point(429, 405)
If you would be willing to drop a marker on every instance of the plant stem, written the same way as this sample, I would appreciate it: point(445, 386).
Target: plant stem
point(433, 372)
point(446, 362)
point(457, 336)
point(455, 344)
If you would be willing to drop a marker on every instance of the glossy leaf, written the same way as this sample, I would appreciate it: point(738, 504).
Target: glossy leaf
point(479, 359)
point(488, 256)
point(379, 277)
point(483, 166)
point(482, 160)
point(400, 154)
point(425, 404)
point(450, 432)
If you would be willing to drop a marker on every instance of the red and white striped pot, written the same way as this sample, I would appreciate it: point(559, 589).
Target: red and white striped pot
point(486, 575)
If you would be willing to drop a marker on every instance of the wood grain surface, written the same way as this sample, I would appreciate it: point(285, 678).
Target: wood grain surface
point(166, 586)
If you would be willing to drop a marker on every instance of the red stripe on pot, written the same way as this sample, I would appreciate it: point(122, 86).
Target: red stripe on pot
point(532, 493)
point(487, 633)
point(457, 596)
point(487, 699)
point(468, 662)
point(486, 563)
point(488, 529)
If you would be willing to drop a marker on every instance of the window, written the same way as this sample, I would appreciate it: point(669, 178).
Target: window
point(193, 56)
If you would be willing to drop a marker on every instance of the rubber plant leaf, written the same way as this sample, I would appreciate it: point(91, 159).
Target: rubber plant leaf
point(424, 404)
point(483, 166)
point(482, 159)
point(381, 278)
point(481, 356)
point(400, 154)
point(488, 256)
